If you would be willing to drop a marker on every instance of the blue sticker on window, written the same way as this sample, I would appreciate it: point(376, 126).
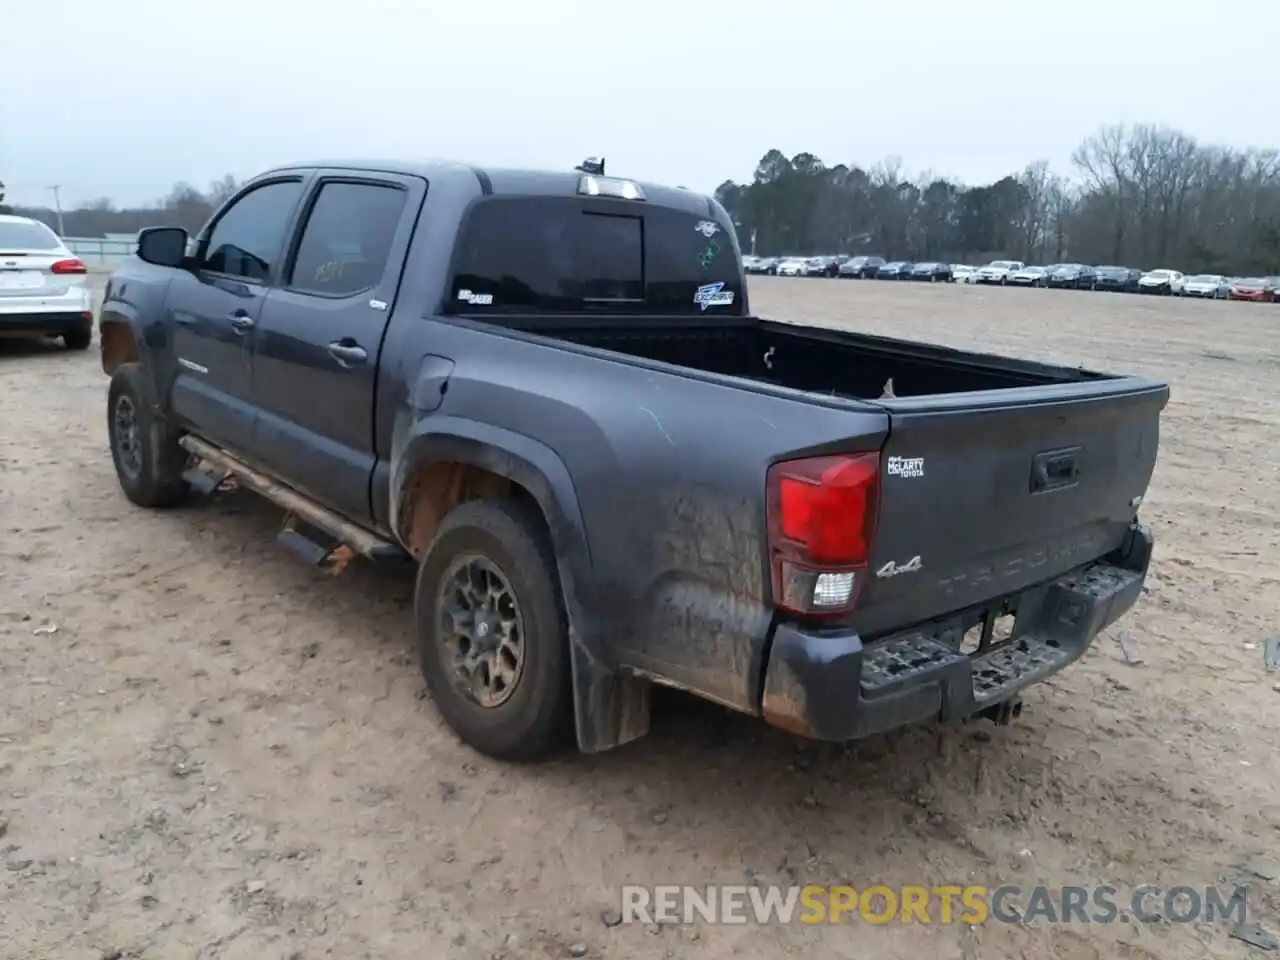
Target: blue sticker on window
point(713, 295)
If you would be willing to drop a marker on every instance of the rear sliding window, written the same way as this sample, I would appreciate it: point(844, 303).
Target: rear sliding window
point(560, 255)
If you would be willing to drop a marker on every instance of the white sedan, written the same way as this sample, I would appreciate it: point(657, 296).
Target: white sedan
point(791, 267)
point(1162, 281)
point(42, 285)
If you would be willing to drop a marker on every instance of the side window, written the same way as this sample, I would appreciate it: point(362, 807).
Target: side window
point(248, 238)
point(347, 239)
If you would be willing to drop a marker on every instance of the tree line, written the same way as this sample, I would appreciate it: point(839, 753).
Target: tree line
point(1142, 196)
point(184, 206)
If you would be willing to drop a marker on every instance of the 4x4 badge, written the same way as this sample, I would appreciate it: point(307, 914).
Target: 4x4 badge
point(892, 569)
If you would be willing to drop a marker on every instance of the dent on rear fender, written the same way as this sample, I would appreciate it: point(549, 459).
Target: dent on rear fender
point(705, 616)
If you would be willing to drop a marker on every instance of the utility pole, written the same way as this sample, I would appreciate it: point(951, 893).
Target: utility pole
point(57, 206)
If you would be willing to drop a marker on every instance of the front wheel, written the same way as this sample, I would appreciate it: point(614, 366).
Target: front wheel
point(492, 631)
point(149, 462)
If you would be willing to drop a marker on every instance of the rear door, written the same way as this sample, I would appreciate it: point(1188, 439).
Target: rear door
point(984, 494)
point(215, 308)
point(315, 358)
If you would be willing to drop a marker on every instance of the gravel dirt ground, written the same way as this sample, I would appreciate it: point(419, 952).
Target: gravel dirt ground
point(210, 751)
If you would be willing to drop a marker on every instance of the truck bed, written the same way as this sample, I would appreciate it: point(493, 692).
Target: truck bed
point(831, 362)
point(999, 473)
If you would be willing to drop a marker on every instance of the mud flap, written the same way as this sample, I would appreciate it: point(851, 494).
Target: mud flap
point(609, 710)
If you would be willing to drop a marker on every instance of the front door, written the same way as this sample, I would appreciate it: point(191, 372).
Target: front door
point(216, 307)
point(320, 333)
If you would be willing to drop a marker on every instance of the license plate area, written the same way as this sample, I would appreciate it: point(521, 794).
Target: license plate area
point(21, 280)
point(993, 630)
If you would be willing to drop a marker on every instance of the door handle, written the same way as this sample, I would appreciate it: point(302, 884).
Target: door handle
point(241, 322)
point(347, 352)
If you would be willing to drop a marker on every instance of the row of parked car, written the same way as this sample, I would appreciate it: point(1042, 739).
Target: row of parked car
point(1074, 276)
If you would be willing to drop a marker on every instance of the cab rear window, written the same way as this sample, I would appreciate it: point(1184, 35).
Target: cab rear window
point(558, 255)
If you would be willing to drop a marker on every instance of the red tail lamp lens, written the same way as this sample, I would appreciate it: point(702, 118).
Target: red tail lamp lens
point(822, 519)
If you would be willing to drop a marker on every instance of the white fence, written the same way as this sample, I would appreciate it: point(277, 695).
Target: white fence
point(101, 251)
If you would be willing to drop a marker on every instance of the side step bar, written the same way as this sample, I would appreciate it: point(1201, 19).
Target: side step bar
point(350, 535)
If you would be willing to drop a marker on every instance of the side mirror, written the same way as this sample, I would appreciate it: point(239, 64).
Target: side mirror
point(163, 246)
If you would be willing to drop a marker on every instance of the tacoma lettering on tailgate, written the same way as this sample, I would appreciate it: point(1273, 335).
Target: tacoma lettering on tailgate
point(1067, 554)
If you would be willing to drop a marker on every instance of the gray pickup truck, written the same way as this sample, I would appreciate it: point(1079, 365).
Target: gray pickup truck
point(547, 390)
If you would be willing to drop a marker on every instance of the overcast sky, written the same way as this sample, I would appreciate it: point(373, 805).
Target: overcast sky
point(123, 97)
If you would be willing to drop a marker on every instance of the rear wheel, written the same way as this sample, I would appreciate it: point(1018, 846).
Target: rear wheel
point(149, 463)
point(77, 339)
point(492, 632)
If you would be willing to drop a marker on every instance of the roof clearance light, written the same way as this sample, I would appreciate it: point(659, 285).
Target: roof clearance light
point(610, 187)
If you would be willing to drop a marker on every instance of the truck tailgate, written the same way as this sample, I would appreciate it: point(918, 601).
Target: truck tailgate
point(986, 493)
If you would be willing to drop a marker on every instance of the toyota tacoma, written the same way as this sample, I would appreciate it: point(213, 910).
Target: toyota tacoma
point(547, 391)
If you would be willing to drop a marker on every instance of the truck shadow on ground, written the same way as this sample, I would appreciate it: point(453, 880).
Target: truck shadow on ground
point(963, 797)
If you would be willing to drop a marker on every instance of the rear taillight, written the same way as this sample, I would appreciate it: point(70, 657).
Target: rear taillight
point(68, 266)
point(822, 522)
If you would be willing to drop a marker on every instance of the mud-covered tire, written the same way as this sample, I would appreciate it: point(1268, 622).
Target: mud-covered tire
point(77, 339)
point(148, 461)
point(537, 717)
